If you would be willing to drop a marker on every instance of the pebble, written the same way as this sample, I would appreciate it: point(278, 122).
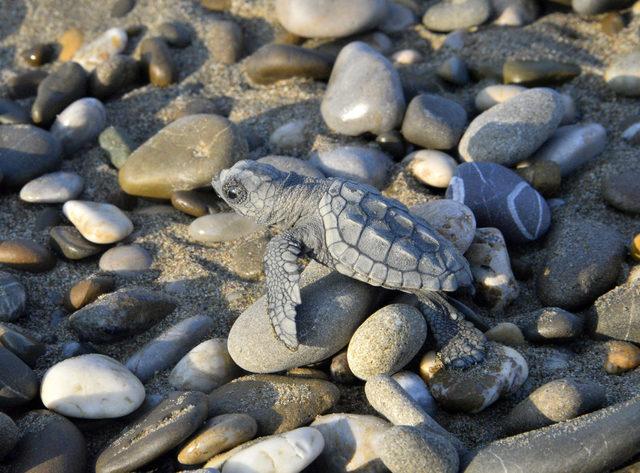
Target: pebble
point(175, 33)
point(503, 372)
point(488, 258)
point(454, 70)
point(556, 401)
point(634, 248)
point(125, 260)
point(120, 8)
point(12, 113)
point(499, 198)
point(184, 106)
point(46, 218)
point(453, 220)
point(277, 403)
point(288, 137)
point(431, 167)
point(357, 163)
point(615, 313)
point(534, 73)
point(406, 57)
point(114, 76)
point(224, 226)
point(340, 371)
point(573, 146)
point(583, 262)
point(17, 341)
point(13, 297)
point(593, 7)
point(576, 445)
point(111, 42)
point(290, 452)
point(9, 435)
point(393, 144)
point(206, 367)
point(79, 124)
point(532, 115)
point(169, 347)
point(25, 84)
point(49, 443)
point(623, 75)
point(386, 341)
point(416, 388)
point(91, 387)
point(377, 105)
point(622, 192)
point(612, 23)
point(514, 12)
point(337, 19)
point(552, 324)
point(289, 164)
point(73, 349)
point(544, 176)
point(332, 308)
point(216, 5)
point(63, 86)
point(157, 60)
point(53, 188)
point(398, 18)
point(621, 357)
point(98, 222)
point(186, 154)
point(194, 203)
point(506, 333)
point(632, 134)
point(350, 442)
point(18, 382)
point(217, 435)
point(68, 242)
point(450, 15)
point(495, 94)
point(70, 41)
point(168, 425)
point(225, 41)
point(38, 54)
point(26, 255)
point(405, 449)
point(247, 258)
point(120, 315)
point(117, 144)
point(434, 122)
point(26, 152)
point(88, 290)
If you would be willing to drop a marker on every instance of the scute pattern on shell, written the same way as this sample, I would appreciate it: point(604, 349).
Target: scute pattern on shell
point(377, 240)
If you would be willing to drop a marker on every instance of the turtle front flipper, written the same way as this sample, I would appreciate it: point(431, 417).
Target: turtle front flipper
point(283, 292)
point(459, 343)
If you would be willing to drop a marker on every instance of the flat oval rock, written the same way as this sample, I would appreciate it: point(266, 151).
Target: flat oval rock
point(125, 260)
point(165, 427)
point(68, 241)
point(117, 144)
point(26, 152)
point(98, 222)
point(17, 341)
point(622, 192)
point(357, 163)
point(26, 255)
point(538, 73)
point(450, 15)
point(184, 155)
point(13, 297)
point(63, 86)
point(552, 324)
point(434, 122)
point(120, 315)
point(623, 75)
point(88, 290)
point(91, 387)
point(277, 403)
point(224, 41)
point(18, 382)
point(274, 62)
point(615, 312)
point(79, 124)
point(53, 188)
point(224, 226)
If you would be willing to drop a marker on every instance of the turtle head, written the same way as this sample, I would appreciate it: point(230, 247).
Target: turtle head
point(252, 189)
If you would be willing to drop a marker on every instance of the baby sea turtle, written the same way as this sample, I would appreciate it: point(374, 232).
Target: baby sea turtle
point(352, 228)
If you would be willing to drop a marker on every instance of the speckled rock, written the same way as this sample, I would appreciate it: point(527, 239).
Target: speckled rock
point(9, 435)
point(289, 164)
point(98, 222)
point(453, 220)
point(225, 41)
point(169, 347)
point(583, 262)
point(120, 315)
point(622, 192)
point(13, 297)
point(69, 242)
point(177, 158)
point(332, 18)
point(450, 15)
point(552, 324)
point(63, 86)
point(125, 260)
point(164, 428)
point(53, 188)
point(114, 76)
point(224, 226)
point(532, 115)
point(18, 383)
point(500, 198)
point(277, 403)
point(615, 313)
point(556, 401)
point(542, 72)
point(350, 443)
point(91, 387)
point(88, 290)
point(206, 367)
point(247, 257)
point(544, 176)
point(621, 357)
point(117, 144)
point(386, 341)
point(503, 372)
point(494, 281)
point(332, 307)
point(108, 44)
point(434, 122)
point(376, 106)
point(358, 163)
point(26, 255)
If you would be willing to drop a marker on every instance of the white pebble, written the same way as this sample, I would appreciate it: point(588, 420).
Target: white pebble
point(53, 188)
point(98, 222)
point(289, 136)
point(453, 220)
point(407, 56)
point(80, 124)
point(225, 226)
point(416, 388)
point(105, 46)
point(432, 167)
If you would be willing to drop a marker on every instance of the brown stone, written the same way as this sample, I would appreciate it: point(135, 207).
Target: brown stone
point(275, 62)
point(224, 40)
point(38, 55)
point(216, 5)
point(26, 255)
point(156, 57)
point(87, 291)
point(635, 247)
point(194, 203)
point(621, 356)
point(70, 41)
point(612, 23)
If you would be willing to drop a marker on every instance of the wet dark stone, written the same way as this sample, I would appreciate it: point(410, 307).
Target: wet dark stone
point(47, 217)
point(68, 241)
point(64, 85)
point(88, 290)
point(18, 382)
point(275, 62)
point(38, 55)
point(26, 84)
point(12, 113)
point(538, 73)
point(28, 349)
point(26, 255)
point(196, 203)
point(114, 76)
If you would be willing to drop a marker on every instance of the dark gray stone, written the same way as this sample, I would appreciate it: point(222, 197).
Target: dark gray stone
point(26, 83)
point(64, 85)
point(583, 262)
point(27, 348)
point(117, 144)
point(615, 314)
point(18, 383)
point(114, 76)
point(454, 70)
point(68, 241)
point(622, 191)
point(434, 122)
point(46, 218)
point(552, 324)
point(450, 15)
point(121, 7)
point(12, 113)
point(9, 435)
point(175, 33)
point(120, 315)
point(165, 427)
point(13, 297)
point(500, 198)
point(275, 62)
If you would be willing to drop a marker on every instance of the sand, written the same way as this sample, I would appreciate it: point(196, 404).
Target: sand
point(200, 274)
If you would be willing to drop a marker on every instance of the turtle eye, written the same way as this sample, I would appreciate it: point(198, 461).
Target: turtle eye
point(234, 192)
